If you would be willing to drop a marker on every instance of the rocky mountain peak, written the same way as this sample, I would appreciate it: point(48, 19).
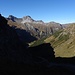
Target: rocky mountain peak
point(39, 21)
point(52, 22)
point(27, 19)
point(14, 19)
point(11, 16)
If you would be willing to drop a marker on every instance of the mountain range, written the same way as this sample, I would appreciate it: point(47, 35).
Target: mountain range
point(36, 28)
point(24, 19)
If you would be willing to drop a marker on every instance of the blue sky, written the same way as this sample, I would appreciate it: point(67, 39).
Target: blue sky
point(62, 11)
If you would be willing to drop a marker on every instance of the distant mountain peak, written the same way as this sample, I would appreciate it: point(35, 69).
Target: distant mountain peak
point(11, 16)
point(53, 22)
point(27, 19)
point(39, 21)
point(14, 19)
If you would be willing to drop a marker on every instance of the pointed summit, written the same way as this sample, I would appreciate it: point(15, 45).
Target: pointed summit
point(11, 17)
point(27, 19)
point(14, 19)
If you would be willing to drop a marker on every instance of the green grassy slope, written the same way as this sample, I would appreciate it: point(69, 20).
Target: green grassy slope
point(63, 42)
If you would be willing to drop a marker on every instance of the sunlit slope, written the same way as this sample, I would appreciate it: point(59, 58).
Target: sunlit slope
point(63, 42)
